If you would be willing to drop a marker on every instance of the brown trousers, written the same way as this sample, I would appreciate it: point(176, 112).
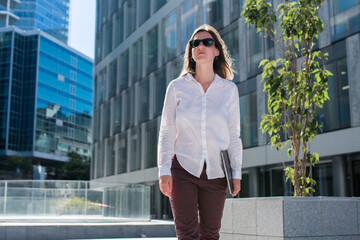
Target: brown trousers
point(197, 204)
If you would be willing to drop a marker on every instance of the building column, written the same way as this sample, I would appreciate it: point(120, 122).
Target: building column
point(353, 65)
point(339, 172)
point(254, 182)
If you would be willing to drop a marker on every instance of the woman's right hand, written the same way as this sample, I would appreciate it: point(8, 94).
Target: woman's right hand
point(165, 183)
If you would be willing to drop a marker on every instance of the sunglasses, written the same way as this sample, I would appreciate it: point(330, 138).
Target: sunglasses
point(208, 42)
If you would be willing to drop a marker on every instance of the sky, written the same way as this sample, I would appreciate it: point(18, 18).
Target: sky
point(82, 26)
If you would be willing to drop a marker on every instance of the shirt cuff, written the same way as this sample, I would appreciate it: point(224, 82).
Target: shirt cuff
point(236, 174)
point(164, 171)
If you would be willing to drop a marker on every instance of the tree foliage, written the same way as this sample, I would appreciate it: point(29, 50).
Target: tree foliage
point(76, 168)
point(296, 84)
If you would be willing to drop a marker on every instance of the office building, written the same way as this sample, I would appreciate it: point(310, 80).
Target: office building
point(45, 98)
point(139, 50)
point(51, 16)
point(7, 15)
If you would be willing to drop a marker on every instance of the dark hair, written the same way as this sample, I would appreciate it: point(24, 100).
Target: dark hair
point(222, 64)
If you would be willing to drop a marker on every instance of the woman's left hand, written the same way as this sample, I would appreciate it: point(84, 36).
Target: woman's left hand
point(237, 186)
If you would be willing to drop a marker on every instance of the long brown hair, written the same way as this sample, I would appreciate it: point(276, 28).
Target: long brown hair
point(222, 64)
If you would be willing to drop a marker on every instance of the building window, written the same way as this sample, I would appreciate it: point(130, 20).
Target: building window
point(113, 78)
point(152, 50)
point(110, 157)
point(117, 115)
point(212, 13)
point(61, 78)
point(170, 36)
point(144, 11)
point(344, 18)
point(72, 89)
point(151, 148)
point(71, 117)
point(100, 160)
point(231, 39)
point(255, 46)
point(143, 108)
point(131, 19)
point(73, 61)
point(335, 113)
point(119, 23)
point(72, 103)
point(236, 7)
point(189, 9)
point(135, 149)
point(137, 57)
point(71, 132)
point(73, 75)
point(108, 38)
point(124, 70)
point(127, 110)
point(159, 4)
point(160, 89)
point(106, 120)
point(322, 174)
point(122, 153)
point(248, 113)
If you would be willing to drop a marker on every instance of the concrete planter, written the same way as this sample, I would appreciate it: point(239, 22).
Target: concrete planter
point(275, 218)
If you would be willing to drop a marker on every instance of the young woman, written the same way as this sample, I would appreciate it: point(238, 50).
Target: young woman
point(200, 118)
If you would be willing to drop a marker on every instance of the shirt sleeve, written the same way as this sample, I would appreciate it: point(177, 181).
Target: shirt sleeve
point(235, 148)
point(167, 133)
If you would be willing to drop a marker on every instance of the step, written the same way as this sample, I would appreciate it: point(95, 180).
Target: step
point(158, 229)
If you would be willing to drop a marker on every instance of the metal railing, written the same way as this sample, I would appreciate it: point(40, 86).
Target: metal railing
point(59, 198)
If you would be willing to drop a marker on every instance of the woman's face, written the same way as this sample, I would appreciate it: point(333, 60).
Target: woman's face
point(201, 53)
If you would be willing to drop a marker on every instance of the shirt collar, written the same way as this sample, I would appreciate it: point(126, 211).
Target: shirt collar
point(190, 77)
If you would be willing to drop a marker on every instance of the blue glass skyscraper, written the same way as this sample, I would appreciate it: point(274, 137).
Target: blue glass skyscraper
point(45, 97)
point(51, 16)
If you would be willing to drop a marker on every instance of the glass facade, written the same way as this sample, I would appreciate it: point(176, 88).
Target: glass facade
point(51, 16)
point(5, 57)
point(344, 18)
point(148, 51)
point(46, 98)
point(63, 103)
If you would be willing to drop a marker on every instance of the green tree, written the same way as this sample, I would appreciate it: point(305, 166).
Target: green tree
point(296, 84)
point(75, 169)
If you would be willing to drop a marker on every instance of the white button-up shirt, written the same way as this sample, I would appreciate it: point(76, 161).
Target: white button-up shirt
point(196, 126)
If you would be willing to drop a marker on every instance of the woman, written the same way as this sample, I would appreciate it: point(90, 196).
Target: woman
point(200, 118)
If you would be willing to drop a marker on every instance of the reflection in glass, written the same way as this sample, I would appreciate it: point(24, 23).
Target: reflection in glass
point(152, 50)
point(189, 9)
point(122, 153)
point(344, 18)
point(170, 36)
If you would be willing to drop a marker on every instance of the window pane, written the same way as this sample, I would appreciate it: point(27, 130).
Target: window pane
point(151, 148)
point(344, 18)
point(137, 57)
point(135, 149)
point(170, 36)
point(144, 11)
point(212, 13)
point(188, 21)
point(324, 181)
point(231, 40)
point(124, 70)
point(152, 51)
point(131, 19)
point(113, 78)
point(160, 89)
point(143, 109)
point(110, 158)
point(122, 153)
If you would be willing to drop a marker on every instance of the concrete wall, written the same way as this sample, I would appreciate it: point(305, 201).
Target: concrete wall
point(291, 218)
